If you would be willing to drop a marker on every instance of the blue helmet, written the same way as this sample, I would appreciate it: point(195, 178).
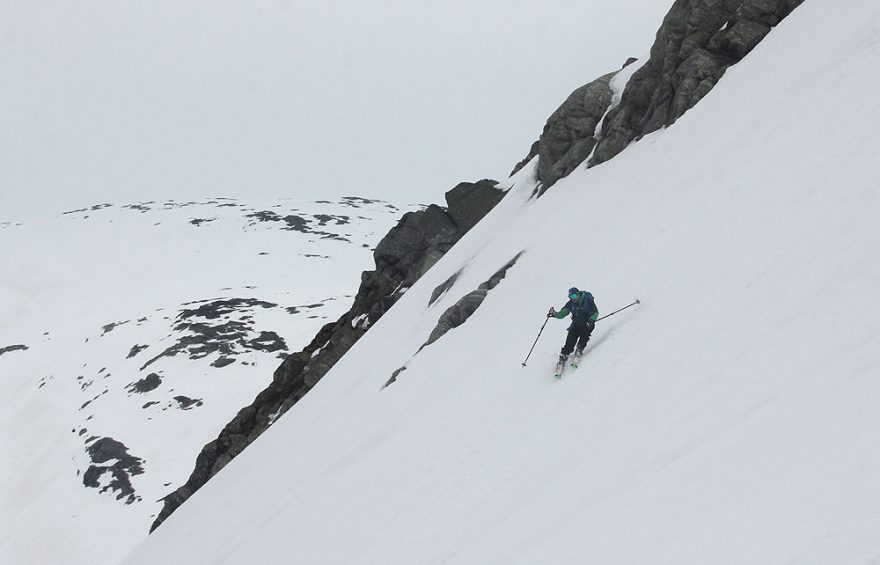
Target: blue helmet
point(573, 290)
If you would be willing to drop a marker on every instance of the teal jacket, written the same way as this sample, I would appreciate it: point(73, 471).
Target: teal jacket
point(582, 309)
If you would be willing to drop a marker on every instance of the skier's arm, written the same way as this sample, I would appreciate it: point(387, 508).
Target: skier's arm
point(595, 315)
point(562, 313)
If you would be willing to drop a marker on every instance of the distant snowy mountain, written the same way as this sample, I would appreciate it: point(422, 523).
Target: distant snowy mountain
point(129, 335)
point(730, 418)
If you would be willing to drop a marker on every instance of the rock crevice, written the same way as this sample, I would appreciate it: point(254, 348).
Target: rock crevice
point(458, 313)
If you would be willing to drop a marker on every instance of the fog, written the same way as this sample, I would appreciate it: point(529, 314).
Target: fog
point(106, 101)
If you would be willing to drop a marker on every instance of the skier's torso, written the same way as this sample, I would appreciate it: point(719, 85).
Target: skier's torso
point(582, 310)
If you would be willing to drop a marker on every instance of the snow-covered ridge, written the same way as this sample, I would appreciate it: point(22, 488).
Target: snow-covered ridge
point(130, 334)
point(403, 255)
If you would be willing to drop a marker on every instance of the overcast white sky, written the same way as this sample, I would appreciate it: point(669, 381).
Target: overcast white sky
point(122, 101)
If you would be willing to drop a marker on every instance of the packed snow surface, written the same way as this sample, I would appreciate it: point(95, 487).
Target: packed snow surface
point(131, 334)
point(731, 418)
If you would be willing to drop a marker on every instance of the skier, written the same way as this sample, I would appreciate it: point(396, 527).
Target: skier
point(584, 313)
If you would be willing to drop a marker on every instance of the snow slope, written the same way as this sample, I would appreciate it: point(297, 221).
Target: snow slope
point(130, 335)
point(733, 418)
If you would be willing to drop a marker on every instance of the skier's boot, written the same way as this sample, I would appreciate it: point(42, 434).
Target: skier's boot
point(576, 360)
point(560, 365)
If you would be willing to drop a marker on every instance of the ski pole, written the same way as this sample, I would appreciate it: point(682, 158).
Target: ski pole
point(536, 341)
point(621, 310)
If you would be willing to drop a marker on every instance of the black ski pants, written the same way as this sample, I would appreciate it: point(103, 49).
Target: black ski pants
point(577, 335)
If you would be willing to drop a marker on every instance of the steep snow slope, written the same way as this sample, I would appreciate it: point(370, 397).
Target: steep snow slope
point(129, 335)
point(730, 419)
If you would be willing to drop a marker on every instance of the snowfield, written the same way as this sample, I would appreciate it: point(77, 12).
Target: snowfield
point(731, 418)
point(130, 335)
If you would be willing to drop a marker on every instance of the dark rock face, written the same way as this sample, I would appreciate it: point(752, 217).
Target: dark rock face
point(458, 313)
point(469, 202)
point(569, 136)
point(698, 41)
point(411, 248)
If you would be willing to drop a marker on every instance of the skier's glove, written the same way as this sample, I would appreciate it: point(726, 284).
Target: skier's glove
point(551, 313)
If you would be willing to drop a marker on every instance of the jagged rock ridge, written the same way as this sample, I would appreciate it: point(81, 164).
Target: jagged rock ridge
point(412, 247)
point(569, 136)
point(698, 41)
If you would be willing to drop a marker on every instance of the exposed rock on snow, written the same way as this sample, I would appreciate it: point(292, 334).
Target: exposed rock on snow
point(698, 41)
point(444, 287)
point(210, 329)
point(157, 289)
point(458, 313)
point(116, 475)
point(288, 386)
point(470, 202)
point(569, 135)
point(412, 247)
point(186, 403)
point(135, 349)
point(10, 348)
point(146, 384)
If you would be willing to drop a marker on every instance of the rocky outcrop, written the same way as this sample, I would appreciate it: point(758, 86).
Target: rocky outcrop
point(412, 247)
point(569, 135)
point(698, 41)
point(444, 287)
point(470, 202)
point(458, 313)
